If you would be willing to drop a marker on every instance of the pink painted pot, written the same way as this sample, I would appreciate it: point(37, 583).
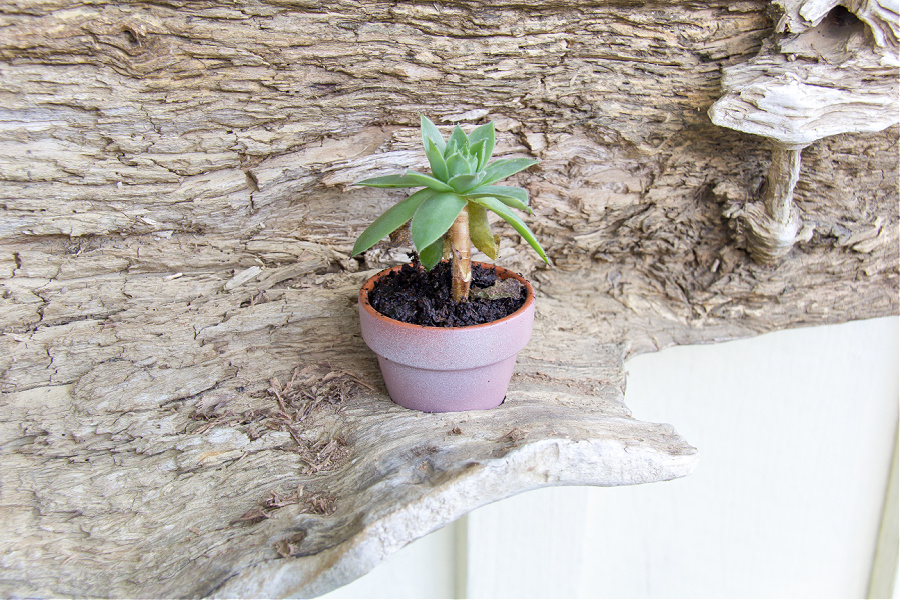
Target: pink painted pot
point(446, 369)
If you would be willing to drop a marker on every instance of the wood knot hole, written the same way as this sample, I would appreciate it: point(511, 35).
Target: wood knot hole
point(131, 37)
point(840, 16)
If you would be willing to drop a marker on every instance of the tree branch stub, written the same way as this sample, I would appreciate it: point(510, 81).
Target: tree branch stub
point(830, 77)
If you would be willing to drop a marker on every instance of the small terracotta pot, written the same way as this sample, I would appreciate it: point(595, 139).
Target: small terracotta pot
point(446, 369)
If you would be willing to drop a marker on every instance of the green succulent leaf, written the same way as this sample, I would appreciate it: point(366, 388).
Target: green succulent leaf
point(431, 132)
point(514, 203)
point(480, 231)
point(450, 149)
point(476, 154)
point(434, 217)
point(464, 183)
point(460, 176)
point(504, 167)
point(393, 218)
point(431, 255)
point(428, 181)
point(484, 157)
point(511, 201)
point(484, 133)
point(436, 160)
point(390, 181)
point(518, 193)
point(458, 165)
point(514, 220)
point(458, 139)
point(473, 163)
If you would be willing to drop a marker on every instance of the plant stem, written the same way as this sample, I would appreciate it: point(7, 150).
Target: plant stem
point(461, 256)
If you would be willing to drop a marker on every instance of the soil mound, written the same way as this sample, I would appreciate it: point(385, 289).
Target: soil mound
point(414, 295)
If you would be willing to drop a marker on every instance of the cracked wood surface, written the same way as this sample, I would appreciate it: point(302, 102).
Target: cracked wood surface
point(256, 457)
point(184, 391)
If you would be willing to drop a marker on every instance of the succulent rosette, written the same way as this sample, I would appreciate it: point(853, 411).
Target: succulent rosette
point(449, 213)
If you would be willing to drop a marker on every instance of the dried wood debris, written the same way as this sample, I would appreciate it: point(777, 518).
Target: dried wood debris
point(317, 503)
point(515, 435)
point(324, 455)
point(290, 546)
point(311, 388)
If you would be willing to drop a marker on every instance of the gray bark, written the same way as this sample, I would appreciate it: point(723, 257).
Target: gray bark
point(188, 407)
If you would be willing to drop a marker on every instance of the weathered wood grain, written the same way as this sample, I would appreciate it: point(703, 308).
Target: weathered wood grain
point(827, 71)
point(176, 222)
point(252, 453)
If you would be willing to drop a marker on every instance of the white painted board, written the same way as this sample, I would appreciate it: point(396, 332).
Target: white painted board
point(796, 433)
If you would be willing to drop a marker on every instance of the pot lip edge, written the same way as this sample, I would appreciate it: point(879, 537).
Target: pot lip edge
point(364, 304)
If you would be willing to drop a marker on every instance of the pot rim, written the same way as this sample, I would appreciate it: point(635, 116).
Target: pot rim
point(363, 299)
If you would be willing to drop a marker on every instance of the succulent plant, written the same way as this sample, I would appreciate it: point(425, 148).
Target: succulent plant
point(449, 213)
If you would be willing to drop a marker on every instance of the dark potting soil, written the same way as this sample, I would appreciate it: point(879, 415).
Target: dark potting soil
point(414, 295)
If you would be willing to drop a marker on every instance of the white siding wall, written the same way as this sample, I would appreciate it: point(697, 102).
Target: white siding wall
point(796, 431)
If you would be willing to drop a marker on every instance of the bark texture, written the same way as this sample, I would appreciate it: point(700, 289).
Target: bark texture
point(827, 70)
point(188, 409)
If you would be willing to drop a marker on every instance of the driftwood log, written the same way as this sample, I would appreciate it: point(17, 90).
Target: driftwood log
point(188, 409)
